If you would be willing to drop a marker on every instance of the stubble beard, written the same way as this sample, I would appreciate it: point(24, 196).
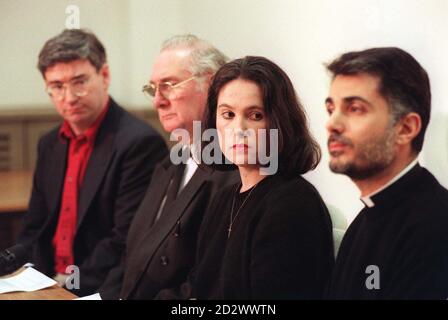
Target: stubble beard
point(371, 158)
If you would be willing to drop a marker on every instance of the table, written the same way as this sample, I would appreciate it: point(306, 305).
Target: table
point(52, 293)
point(15, 190)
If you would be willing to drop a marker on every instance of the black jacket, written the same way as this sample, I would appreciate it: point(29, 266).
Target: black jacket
point(397, 249)
point(280, 247)
point(159, 254)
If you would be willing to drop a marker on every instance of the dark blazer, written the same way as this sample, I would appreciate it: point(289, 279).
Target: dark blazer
point(125, 153)
point(160, 254)
point(280, 246)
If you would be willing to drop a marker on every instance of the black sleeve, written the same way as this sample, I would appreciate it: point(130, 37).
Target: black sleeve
point(111, 288)
point(135, 172)
point(421, 270)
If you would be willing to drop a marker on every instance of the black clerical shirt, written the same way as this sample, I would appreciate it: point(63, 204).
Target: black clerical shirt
point(397, 249)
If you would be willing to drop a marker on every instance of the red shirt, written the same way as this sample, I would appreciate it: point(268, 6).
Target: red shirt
point(79, 151)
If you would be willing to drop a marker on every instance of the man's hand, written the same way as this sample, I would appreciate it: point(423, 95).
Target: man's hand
point(8, 262)
point(61, 279)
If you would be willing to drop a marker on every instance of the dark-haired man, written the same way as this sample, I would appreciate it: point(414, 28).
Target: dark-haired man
point(397, 247)
point(91, 173)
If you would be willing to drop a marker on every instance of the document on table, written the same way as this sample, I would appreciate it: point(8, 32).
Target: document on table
point(95, 296)
point(28, 280)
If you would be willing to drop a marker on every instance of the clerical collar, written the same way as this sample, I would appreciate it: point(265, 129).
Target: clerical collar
point(367, 200)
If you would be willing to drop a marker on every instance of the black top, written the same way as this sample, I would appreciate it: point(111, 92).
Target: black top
point(404, 237)
point(280, 246)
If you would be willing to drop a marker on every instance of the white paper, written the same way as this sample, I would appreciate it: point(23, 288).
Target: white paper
point(28, 264)
point(95, 296)
point(28, 280)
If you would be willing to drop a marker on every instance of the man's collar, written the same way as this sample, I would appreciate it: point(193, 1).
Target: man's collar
point(368, 201)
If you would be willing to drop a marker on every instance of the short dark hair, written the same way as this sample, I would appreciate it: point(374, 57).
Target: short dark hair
point(298, 151)
point(403, 81)
point(70, 45)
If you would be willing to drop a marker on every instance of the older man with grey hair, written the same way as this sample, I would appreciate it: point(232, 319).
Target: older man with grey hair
point(161, 245)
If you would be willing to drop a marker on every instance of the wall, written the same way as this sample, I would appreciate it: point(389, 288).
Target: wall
point(25, 25)
point(301, 35)
point(151, 22)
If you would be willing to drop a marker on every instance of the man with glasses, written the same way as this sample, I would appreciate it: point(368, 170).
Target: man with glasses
point(161, 245)
point(92, 171)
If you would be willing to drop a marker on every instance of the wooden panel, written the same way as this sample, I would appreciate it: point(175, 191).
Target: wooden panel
point(11, 146)
point(15, 190)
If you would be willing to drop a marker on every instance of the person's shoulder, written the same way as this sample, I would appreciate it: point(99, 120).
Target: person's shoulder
point(50, 137)
point(131, 132)
point(292, 204)
point(436, 190)
point(294, 188)
point(129, 125)
point(430, 197)
point(294, 197)
point(423, 211)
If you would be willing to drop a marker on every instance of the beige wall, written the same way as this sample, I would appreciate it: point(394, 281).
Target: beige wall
point(25, 25)
point(151, 22)
point(300, 35)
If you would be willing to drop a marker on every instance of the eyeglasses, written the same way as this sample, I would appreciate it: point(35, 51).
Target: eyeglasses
point(78, 87)
point(165, 88)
